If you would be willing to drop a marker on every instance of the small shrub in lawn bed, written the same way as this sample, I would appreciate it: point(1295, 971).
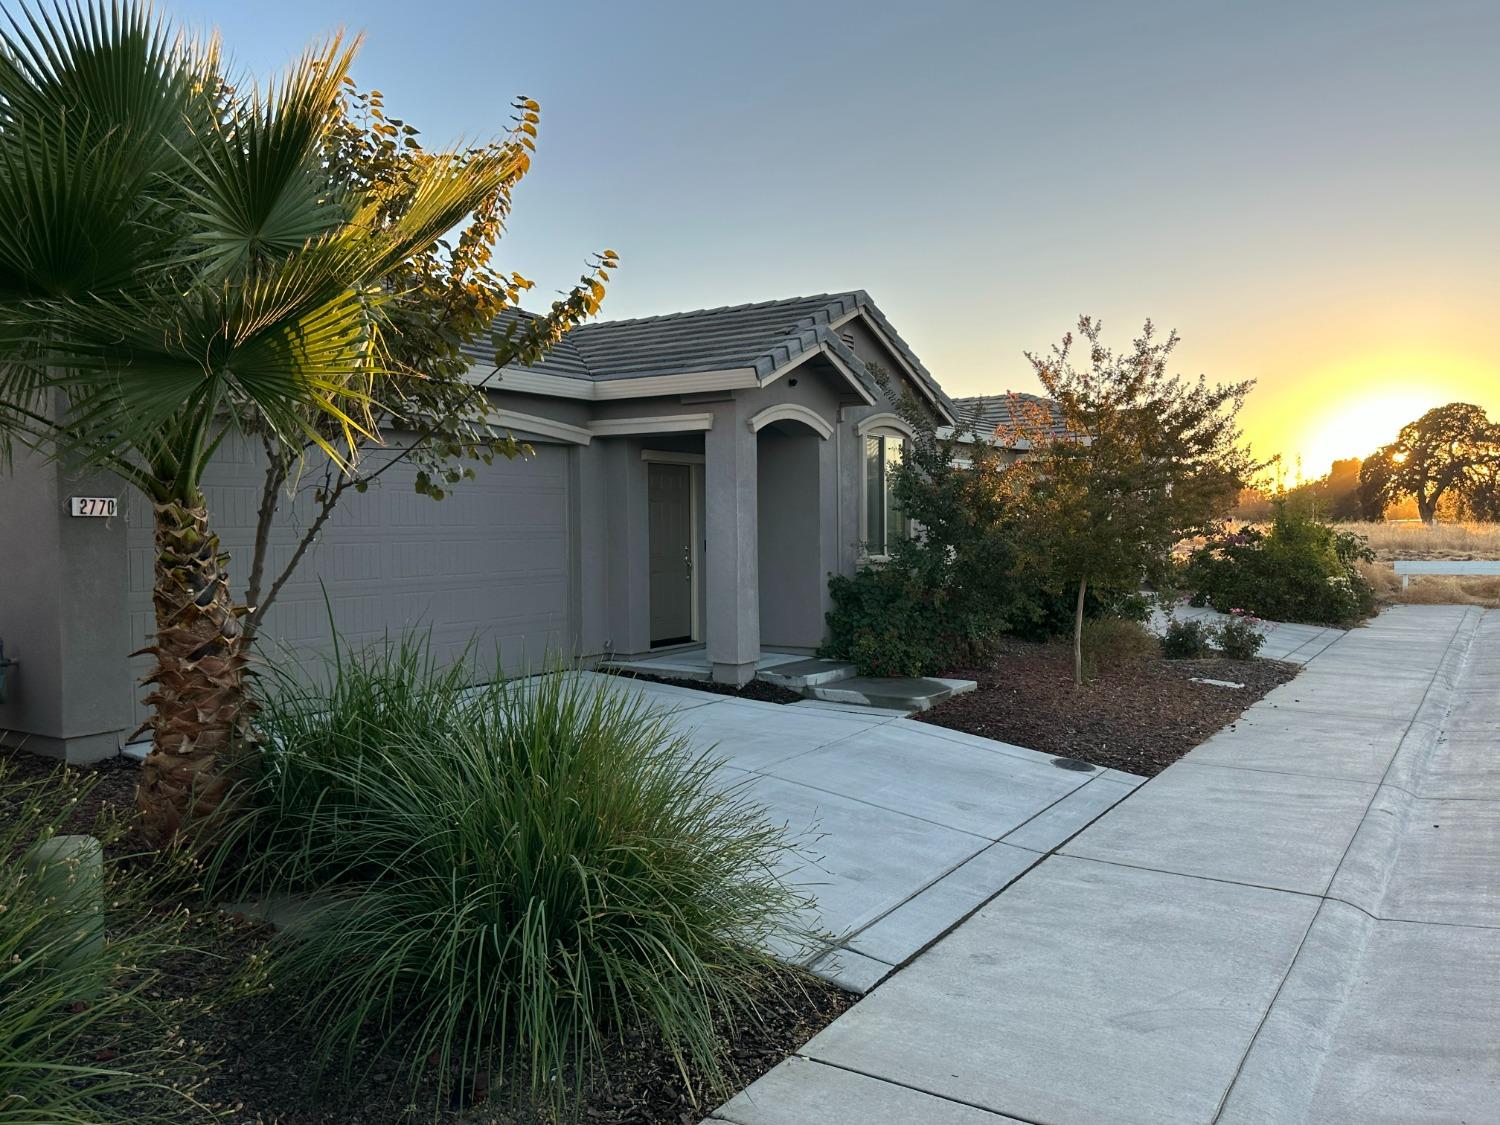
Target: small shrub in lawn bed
point(1241, 637)
point(1300, 570)
point(1186, 640)
point(79, 1030)
point(1115, 642)
point(512, 877)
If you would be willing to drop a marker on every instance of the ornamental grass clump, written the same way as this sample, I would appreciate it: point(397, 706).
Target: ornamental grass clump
point(81, 1030)
point(503, 880)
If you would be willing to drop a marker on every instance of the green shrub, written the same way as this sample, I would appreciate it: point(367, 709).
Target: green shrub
point(895, 620)
point(79, 1031)
point(1186, 640)
point(1111, 643)
point(509, 876)
point(1241, 637)
point(1047, 610)
point(1300, 571)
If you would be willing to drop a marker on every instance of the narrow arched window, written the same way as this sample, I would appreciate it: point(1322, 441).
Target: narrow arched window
point(882, 520)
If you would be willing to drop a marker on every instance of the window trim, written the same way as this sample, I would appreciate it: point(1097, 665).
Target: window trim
point(884, 432)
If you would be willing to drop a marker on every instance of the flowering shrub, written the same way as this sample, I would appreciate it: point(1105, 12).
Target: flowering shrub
point(1300, 570)
point(1241, 637)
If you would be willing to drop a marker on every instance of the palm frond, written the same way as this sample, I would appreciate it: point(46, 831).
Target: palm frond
point(74, 216)
point(448, 187)
point(114, 67)
point(261, 191)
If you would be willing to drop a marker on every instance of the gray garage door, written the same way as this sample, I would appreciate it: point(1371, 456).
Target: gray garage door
point(488, 564)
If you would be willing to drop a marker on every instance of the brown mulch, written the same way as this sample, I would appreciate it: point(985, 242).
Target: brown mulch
point(1140, 716)
point(256, 1062)
point(758, 690)
point(111, 791)
point(261, 1075)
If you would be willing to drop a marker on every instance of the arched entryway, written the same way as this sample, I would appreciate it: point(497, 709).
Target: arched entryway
point(789, 519)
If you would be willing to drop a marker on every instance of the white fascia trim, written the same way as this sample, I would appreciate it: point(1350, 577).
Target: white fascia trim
point(664, 424)
point(688, 383)
point(791, 412)
point(523, 381)
point(885, 421)
point(834, 325)
point(839, 365)
point(547, 427)
point(879, 333)
point(967, 436)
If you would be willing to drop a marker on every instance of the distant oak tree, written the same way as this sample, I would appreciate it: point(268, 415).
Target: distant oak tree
point(1451, 452)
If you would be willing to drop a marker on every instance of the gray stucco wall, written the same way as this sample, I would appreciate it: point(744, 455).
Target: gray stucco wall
point(62, 614)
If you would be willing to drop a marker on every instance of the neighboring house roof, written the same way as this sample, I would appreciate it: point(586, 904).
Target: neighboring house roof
point(758, 339)
point(995, 416)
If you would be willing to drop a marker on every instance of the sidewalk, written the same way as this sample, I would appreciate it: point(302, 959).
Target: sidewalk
point(1299, 922)
point(1296, 644)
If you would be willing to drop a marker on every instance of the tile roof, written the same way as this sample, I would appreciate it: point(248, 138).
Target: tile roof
point(763, 336)
point(989, 414)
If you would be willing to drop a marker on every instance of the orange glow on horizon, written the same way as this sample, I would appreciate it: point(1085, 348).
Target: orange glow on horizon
point(1354, 409)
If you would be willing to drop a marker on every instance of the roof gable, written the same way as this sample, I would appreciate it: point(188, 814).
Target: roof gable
point(762, 338)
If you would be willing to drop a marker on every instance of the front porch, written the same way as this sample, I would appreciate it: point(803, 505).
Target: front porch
point(833, 683)
point(716, 541)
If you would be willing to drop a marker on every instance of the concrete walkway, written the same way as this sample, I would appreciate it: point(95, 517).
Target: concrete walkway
point(903, 828)
point(1298, 923)
point(1296, 644)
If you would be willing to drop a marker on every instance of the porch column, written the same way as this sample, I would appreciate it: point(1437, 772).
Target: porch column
point(732, 545)
point(830, 521)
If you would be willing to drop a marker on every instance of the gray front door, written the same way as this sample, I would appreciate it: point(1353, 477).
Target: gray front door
point(670, 496)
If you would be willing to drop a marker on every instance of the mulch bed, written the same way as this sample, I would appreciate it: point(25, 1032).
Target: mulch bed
point(758, 690)
point(111, 791)
point(1137, 717)
point(256, 1065)
point(261, 1076)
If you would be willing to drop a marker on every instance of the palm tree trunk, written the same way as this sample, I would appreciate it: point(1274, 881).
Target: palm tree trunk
point(200, 718)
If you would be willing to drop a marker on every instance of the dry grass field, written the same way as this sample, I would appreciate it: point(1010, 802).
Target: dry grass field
point(1412, 539)
point(1443, 541)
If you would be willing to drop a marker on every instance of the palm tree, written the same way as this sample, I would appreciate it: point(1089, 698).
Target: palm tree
point(179, 258)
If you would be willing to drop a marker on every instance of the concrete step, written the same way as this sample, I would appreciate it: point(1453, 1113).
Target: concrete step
point(660, 666)
point(799, 675)
point(893, 692)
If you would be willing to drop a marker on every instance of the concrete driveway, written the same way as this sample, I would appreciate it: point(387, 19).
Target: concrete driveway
point(1297, 923)
point(903, 828)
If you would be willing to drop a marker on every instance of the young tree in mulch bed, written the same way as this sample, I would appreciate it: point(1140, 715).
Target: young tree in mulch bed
point(1141, 460)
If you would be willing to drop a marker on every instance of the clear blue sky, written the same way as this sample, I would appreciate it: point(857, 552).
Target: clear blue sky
point(1309, 192)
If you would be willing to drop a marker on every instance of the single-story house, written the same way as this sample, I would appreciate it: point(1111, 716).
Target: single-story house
point(696, 479)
